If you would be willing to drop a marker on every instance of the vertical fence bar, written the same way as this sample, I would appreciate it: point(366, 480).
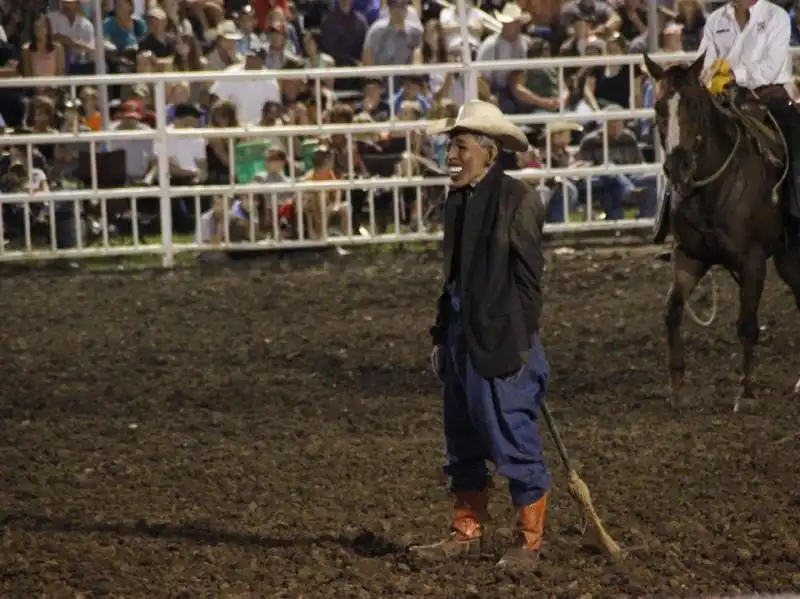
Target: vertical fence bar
point(471, 88)
point(165, 199)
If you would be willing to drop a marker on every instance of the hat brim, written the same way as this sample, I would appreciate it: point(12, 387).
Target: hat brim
point(132, 115)
point(504, 19)
point(563, 127)
point(508, 135)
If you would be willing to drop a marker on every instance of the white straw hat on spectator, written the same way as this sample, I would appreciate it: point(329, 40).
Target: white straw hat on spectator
point(483, 118)
point(511, 13)
point(229, 31)
point(562, 126)
point(157, 13)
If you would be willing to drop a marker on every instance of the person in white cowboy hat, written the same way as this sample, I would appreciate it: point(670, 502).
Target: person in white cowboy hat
point(506, 45)
point(564, 195)
point(486, 350)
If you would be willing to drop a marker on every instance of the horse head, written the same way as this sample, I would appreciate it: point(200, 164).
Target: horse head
point(683, 116)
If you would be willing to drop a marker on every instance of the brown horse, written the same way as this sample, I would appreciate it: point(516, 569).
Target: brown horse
point(723, 208)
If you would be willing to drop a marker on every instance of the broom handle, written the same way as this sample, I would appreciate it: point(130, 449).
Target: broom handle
point(551, 424)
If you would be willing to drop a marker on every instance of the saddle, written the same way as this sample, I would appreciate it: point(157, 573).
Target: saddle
point(758, 123)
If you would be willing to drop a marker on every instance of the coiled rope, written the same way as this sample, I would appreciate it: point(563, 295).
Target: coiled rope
point(714, 290)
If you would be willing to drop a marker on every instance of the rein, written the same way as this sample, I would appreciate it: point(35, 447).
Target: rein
point(718, 173)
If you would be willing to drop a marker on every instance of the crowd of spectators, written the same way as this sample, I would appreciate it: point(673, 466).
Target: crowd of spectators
point(57, 37)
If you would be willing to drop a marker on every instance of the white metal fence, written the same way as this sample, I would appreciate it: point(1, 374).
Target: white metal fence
point(28, 247)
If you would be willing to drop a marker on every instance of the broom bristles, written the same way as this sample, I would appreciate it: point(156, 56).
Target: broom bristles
point(580, 492)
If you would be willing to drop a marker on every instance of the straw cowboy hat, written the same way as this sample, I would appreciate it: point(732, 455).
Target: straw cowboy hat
point(483, 118)
point(562, 126)
point(511, 13)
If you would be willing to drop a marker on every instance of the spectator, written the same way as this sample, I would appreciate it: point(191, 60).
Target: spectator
point(599, 14)
point(278, 48)
point(262, 10)
point(318, 207)
point(315, 58)
point(393, 40)
point(41, 119)
point(270, 204)
point(187, 155)
point(693, 19)
point(373, 102)
point(561, 133)
point(124, 30)
point(611, 84)
point(450, 86)
point(248, 95)
point(342, 34)
point(224, 53)
point(506, 45)
point(75, 33)
point(641, 43)
point(91, 109)
point(72, 118)
point(451, 26)
point(157, 41)
point(433, 49)
point(282, 37)
point(139, 153)
point(437, 144)
point(245, 22)
point(623, 149)
point(543, 82)
point(633, 19)
point(412, 90)
point(42, 56)
point(672, 38)
point(218, 154)
point(212, 223)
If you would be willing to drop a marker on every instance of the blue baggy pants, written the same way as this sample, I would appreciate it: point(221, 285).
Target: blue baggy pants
point(493, 419)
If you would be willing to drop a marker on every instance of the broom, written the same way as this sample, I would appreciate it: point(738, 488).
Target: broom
point(580, 492)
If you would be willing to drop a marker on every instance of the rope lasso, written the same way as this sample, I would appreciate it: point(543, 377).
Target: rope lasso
point(714, 290)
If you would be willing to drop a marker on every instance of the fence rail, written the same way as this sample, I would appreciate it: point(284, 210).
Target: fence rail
point(375, 188)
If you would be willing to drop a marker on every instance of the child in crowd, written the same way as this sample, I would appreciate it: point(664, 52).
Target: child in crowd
point(271, 204)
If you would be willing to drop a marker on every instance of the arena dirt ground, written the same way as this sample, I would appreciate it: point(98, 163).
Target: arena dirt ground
point(274, 432)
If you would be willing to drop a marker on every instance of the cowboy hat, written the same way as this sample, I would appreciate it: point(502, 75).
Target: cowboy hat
point(512, 12)
point(483, 118)
point(562, 126)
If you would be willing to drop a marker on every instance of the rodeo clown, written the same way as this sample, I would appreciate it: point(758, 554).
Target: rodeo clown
point(746, 43)
point(486, 345)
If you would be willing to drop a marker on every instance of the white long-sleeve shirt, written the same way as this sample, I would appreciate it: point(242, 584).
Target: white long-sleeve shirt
point(758, 54)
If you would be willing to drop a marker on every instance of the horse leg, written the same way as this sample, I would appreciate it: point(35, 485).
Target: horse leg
point(686, 273)
point(751, 274)
point(787, 263)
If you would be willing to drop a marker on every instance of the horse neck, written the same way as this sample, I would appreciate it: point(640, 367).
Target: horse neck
point(719, 138)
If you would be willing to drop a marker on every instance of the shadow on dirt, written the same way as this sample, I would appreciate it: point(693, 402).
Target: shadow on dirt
point(364, 544)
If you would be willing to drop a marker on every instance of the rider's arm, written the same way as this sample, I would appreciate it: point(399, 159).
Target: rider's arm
point(708, 46)
point(763, 64)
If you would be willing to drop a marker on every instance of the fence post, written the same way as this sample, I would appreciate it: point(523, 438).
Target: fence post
point(165, 199)
point(471, 89)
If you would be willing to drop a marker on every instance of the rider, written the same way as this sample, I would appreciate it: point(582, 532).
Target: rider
point(747, 43)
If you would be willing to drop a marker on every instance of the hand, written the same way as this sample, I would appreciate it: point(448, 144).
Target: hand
point(438, 361)
point(551, 104)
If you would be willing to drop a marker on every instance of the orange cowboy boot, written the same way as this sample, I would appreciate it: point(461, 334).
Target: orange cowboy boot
point(530, 529)
point(469, 510)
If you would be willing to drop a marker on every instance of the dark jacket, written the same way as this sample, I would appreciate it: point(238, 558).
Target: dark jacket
point(501, 265)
